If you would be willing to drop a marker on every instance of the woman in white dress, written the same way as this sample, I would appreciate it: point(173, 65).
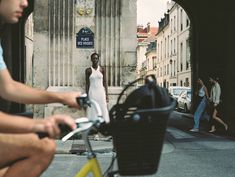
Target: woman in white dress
point(96, 87)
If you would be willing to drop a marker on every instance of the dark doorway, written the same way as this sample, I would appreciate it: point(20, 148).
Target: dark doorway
point(212, 47)
point(13, 42)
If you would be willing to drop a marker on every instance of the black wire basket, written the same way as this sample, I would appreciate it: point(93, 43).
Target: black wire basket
point(138, 133)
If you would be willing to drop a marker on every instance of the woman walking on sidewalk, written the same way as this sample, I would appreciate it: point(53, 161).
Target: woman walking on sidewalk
point(215, 103)
point(203, 96)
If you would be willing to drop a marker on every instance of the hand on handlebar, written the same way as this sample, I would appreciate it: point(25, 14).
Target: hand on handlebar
point(70, 99)
point(51, 126)
point(83, 101)
point(54, 125)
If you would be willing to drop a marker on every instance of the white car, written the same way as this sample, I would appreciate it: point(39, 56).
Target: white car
point(175, 91)
point(184, 101)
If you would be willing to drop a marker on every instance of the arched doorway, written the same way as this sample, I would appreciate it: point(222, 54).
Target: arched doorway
point(212, 47)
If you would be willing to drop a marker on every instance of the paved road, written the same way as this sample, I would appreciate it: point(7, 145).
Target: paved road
point(184, 154)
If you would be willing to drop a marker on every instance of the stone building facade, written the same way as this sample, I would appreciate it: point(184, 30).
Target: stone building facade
point(146, 49)
point(173, 50)
point(60, 63)
point(172, 65)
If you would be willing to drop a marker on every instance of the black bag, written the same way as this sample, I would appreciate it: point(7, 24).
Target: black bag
point(138, 128)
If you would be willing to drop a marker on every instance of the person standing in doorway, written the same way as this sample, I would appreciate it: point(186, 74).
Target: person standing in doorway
point(203, 96)
point(215, 103)
point(96, 87)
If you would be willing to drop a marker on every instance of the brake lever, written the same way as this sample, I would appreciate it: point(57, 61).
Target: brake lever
point(83, 101)
point(80, 129)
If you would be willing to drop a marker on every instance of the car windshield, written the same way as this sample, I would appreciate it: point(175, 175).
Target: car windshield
point(178, 91)
point(189, 94)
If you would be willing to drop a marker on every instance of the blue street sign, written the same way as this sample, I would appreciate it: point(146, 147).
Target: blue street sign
point(85, 38)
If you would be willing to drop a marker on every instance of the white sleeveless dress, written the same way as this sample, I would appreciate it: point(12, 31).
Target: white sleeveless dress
point(97, 93)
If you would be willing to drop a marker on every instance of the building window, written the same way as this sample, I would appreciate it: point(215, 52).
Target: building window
point(154, 63)
point(168, 44)
point(187, 54)
point(181, 19)
point(174, 68)
point(165, 48)
point(181, 56)
point(158, 51)
point(171, 26)
point(174, 46)
point(167, 69)
point(171, 47)
point(187, 65)
point(174, 23)
point(187, 82)
point(187, 22)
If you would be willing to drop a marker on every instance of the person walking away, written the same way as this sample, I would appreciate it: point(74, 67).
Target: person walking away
point(202, 100)
point(215, 104)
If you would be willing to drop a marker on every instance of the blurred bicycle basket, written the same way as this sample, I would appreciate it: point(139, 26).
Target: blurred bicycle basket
point(138, 127)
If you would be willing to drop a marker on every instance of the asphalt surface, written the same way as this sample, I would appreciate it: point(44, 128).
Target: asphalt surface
point(184, 154)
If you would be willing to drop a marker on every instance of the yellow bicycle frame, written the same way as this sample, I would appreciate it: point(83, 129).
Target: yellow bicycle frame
point(93, 166)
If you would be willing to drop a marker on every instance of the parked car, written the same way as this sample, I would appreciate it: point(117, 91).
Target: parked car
point(175, 91)
point(184, 101)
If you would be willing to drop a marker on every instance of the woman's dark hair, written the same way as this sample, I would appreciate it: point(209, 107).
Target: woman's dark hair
point(202, 78)
point(214, 77)
point(95, 54)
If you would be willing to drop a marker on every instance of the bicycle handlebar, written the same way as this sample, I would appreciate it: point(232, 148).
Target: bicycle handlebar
point(84, 124)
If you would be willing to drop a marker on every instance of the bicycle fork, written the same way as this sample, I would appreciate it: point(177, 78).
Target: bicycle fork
point(91, 166)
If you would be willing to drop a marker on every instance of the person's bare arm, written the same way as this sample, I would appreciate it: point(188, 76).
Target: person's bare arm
point(18, 92)
point(206, 92)
point(87, 75)
point(105, 83)
point(19, 124)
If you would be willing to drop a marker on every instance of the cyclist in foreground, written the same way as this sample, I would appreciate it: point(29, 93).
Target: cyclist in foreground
point(22, 152)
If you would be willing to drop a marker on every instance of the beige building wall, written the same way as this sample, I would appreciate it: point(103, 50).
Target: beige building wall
point(29, 54)
point(151, 56)
point(29, 49)
point(141, 57)
point(60, 66)
point(173, 49)
point(173, 43)
point(163, 57)
point(184, 67)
